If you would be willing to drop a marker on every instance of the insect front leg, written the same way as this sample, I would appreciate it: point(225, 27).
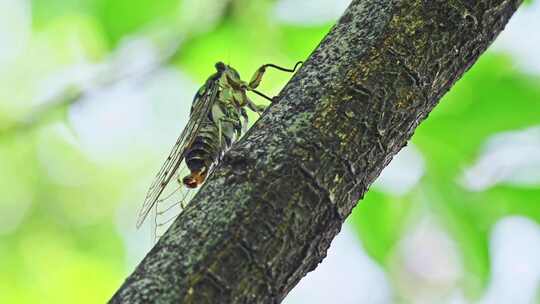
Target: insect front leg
point(257, 77)
point(220, 121)
point(220, 131)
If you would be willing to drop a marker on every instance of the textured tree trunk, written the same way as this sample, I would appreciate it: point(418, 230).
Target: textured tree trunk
point(269, 212)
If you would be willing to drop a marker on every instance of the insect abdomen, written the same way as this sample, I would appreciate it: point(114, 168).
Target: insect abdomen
point(202, 154)
point(208, 147)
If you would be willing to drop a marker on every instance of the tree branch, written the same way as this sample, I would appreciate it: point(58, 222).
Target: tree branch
point(269, 212)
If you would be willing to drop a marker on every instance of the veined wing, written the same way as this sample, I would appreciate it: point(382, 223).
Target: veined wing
point(202, 105)
point(171, 202)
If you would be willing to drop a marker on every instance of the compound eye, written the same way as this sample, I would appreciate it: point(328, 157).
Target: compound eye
point(220, 66)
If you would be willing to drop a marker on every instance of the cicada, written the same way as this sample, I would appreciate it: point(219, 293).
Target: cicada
point(218, 118)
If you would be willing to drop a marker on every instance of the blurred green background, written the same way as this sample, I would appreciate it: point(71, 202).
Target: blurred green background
point(94, 92)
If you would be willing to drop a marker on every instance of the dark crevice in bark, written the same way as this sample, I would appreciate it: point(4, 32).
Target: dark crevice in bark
point(269, 212)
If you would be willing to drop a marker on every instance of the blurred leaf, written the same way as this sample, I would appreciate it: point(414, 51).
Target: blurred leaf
point(18, 178)
point(450, 204)
point(380, 220)
point(123, 17)
point(44, 11)
point(492, 97)
point(300, 42)
point(53, 61)
point(74, 38)
point(56, 272)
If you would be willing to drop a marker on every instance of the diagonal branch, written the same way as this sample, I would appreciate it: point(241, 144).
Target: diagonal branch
point(269, 212)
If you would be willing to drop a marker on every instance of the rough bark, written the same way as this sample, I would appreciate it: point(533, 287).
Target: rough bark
point(269, 212)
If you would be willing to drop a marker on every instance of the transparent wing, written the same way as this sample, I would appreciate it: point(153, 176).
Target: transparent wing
point(172, 201)
point(170, 168)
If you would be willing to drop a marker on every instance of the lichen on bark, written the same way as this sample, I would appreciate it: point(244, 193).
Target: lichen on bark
point(269, 212)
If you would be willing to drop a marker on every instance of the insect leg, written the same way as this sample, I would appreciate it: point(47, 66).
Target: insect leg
point(262, 95)
point(220, 128)
point(252, 106)
point(257, 76)
point(227, 119)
